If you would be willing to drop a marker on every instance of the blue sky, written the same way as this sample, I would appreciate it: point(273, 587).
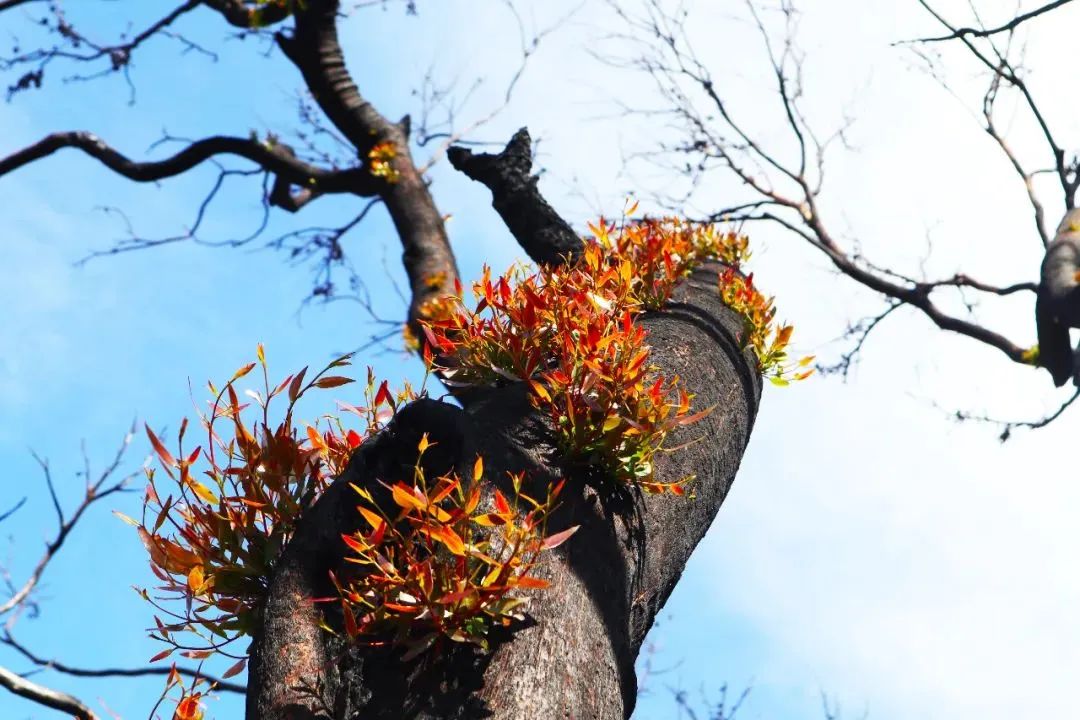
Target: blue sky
point(871, 548)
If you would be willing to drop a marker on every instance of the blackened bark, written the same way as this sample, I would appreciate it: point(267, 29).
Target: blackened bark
point(294, 671)
point(278, 159)
point(316, 51)
point(575, 657)
point(540, 231)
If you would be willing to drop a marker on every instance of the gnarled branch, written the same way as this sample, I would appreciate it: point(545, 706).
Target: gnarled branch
point(981, 32)
point(540, 231)
point(314, 48)
point(784, 190)
point(274, 158)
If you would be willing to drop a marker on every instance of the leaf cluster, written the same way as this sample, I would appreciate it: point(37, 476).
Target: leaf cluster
point(569, 332)
point(215, 538)
point(761, 334)
point(381, 161)
point(444, 561)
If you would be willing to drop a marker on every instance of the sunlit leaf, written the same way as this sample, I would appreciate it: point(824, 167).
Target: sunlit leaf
point(234, 669)
point(166, 457)
point(554, 541)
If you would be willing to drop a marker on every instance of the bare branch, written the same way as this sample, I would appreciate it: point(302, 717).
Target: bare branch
point(96, 491)
point(999, 64)
point(540, 231)
point(42, 695)
point(314, 48)
point(223, 685)
point(1025, 176)
point(76, 47)
point(860, 331)
point(529, 44)
point(713, 138)
point(1011, 25)
point(1008, 426)
point(960, 280)
point(8, 4)
point(275, 158)
point(8, 513)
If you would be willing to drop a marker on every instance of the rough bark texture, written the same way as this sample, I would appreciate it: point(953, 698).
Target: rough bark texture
point(1057, 306)
point(574, 658)
point(314, 48)
point(540, 231)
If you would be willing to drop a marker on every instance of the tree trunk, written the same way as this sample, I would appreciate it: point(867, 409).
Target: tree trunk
point(574, 659)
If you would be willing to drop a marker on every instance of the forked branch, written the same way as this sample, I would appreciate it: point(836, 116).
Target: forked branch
point(273, 158)
point(783, 190)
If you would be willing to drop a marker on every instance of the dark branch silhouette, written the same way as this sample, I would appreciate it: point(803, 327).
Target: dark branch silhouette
point(783, 177)
point(61, 667)
point(544, 236)
point(1009, 26)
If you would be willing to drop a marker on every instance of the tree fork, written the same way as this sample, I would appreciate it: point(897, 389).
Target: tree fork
point(575, 657)
point(314, 48)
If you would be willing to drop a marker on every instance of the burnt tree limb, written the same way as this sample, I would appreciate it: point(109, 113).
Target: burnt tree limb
point(575, 656)
point(277, 159)
point(540, 231)
point(314, 47)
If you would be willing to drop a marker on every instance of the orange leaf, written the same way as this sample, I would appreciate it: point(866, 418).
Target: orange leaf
point(332, 381)
point(242, 371)
point(373, 519)
point(294, 386)
point(383, 396)
point(358, 545)
point(196, 579)
point(540, 390)
point(350, 620)
point(489, 519)
point(450, 539)
point(235, 669)
point(316, 439)
point(472, 501)
point(161, 655)
point(406, 499)
point(204, 493)
point(783, 335)
point(554, 541)
point(448, 487)
point(189, 708)
point(164, 454)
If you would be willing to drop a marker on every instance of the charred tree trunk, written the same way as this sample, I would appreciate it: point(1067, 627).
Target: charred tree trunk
point(575, 659)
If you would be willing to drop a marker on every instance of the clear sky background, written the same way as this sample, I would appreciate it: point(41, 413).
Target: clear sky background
point(871, 548)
